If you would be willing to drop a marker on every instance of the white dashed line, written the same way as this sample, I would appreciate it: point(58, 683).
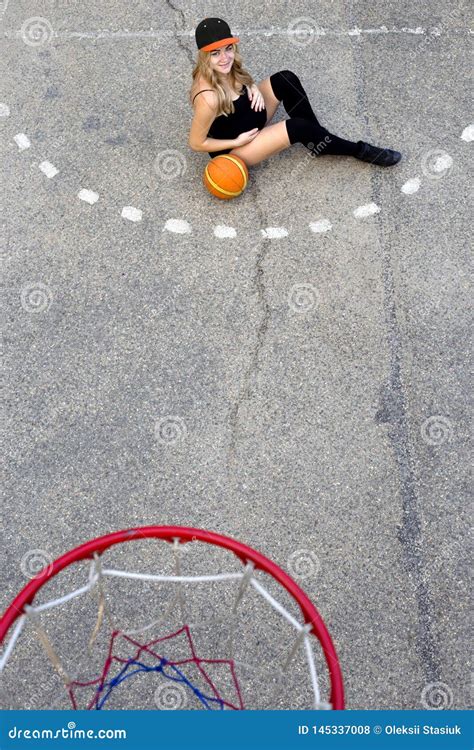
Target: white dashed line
point(22, 141)
point(323, 225)
point(88, 196)
point(48, 169)
point(411, 186)
point(274, 233)
point(222, 231)
point(131, 213)
point(177, 225)
point(468, 133)
point(368, 210)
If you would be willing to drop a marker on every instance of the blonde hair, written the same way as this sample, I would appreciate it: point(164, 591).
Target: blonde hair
point(237, 76)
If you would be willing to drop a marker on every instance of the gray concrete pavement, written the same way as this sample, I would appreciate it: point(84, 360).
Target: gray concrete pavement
point(339, 429)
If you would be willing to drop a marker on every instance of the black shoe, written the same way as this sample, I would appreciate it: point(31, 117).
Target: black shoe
point(384, 157)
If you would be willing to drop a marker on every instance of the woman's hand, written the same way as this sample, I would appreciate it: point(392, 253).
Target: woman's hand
point(256, 97)
point(244, 138)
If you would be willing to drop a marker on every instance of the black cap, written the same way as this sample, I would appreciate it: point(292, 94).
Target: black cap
point(213, 33)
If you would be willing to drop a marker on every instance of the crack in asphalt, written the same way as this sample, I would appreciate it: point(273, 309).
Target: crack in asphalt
point(258, 279)
point(245, 393)
point(181, 44)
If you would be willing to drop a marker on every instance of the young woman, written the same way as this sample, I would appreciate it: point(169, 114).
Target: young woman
point(232, 114)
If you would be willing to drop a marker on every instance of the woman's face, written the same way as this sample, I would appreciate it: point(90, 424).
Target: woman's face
point(222, 59)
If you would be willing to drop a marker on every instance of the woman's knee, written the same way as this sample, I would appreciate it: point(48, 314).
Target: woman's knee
point(288, 75)
point(282, 79)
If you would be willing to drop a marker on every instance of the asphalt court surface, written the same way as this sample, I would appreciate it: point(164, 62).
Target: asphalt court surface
point(303, 390)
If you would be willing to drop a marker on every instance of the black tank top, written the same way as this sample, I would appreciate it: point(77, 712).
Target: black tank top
point(244, 118)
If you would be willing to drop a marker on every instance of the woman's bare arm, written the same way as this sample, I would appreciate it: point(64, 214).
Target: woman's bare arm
point(205, 109)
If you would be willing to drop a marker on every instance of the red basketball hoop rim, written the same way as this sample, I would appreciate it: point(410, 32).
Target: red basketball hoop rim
point(187, 534)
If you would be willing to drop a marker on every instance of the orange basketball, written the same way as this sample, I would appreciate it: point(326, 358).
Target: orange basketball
point(226, 176)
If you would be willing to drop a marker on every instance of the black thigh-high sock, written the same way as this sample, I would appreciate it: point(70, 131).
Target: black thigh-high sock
point(289, 90)
point(318, 139)
point(303, 125)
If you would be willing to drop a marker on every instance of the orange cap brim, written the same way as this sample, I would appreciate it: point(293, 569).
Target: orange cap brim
point(220, 43)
